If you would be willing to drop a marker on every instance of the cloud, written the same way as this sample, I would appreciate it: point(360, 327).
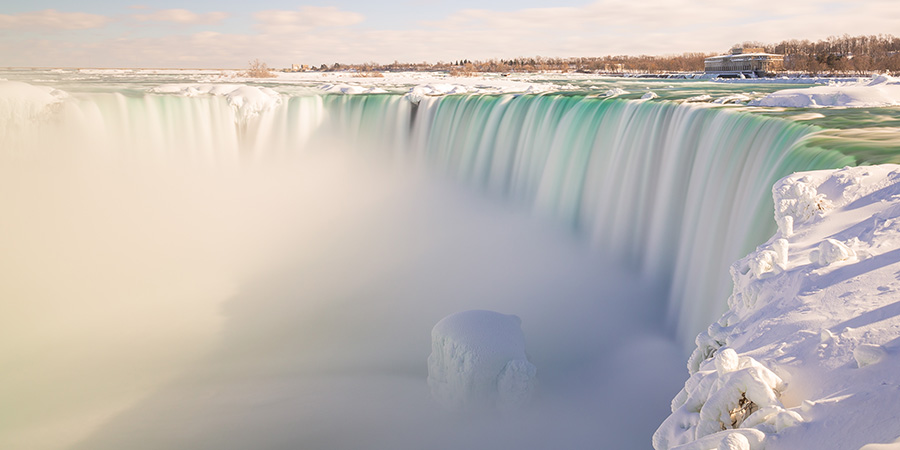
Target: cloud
point(51, 19)
point(182, 16)
point(316, 35)
point(306, 18)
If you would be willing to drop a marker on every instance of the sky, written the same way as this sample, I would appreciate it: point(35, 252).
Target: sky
point(229, 33)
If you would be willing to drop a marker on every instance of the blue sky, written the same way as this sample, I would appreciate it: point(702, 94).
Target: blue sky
point(228, 33)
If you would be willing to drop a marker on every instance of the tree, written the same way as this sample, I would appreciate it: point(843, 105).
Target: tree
point(258, 69)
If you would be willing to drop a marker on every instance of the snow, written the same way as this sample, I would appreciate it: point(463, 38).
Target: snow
point(734, 98)
point(880, 91)
point(350, 89)
point(247, 101)
point(23, 101)
point(478, 359)
point(806, 357)
point(699, 98)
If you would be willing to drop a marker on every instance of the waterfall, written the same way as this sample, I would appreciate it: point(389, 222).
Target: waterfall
point(675, 191)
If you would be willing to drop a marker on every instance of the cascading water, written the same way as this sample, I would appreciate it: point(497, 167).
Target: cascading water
point(144, 204)
point(677, 192)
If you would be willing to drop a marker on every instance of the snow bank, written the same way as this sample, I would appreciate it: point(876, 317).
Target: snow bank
point(734, 98)
point(22, 103)
point(615, 92)
point(247, 101)
point(417, 93)
point(19, 99)
point(813, 330)
point(350, 89)
point(881, 91)
point(478, 360)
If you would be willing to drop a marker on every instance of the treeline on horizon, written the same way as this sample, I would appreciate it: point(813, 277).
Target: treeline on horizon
point(835, 55)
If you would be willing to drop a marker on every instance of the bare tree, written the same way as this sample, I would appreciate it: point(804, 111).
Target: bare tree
point(258, 69)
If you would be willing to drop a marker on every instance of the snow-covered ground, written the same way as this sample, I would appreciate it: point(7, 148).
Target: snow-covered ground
point(878, 92)
point(807, 357)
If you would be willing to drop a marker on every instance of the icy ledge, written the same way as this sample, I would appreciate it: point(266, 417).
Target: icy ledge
point(246, 101)
point(807, 355)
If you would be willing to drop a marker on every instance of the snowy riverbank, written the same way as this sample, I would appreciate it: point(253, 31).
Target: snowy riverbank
point(807, 355)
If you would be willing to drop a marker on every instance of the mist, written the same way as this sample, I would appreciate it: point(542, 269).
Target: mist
point(173, 303)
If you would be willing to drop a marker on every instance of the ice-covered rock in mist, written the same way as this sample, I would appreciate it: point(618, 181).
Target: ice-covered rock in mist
point(615, 92)
point(812, 329)
point(649, 96)
point(478, 360)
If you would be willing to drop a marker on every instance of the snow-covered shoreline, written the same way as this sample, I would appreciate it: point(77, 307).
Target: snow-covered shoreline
point(807, 355)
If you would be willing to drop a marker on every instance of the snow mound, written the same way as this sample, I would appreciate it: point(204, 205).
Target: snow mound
point(881, 91)
point(812, 332)
point(247, 101)
point(736, 392)
point(478, 360)
point(649, 96)
point(734, 98)
point(615, 92)
point(417, 93)
point(350, 89)
point(22, 103)
point(699, 98)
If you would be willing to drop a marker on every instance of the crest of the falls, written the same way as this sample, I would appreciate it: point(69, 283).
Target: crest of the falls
point(674, 191)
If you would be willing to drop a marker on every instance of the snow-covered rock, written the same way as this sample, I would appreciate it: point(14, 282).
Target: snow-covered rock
point(734, 98)
point(699, 98)
point(351, 89)
point(810, 335)
point(478, 360)
point(247, 101)
point(880, 91)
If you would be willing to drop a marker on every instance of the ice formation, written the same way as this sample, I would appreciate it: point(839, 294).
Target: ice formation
point(811, 328)
point(350, 89)
point(478, 360)
point(247, 101)
point(880, 91)
point(23, 102)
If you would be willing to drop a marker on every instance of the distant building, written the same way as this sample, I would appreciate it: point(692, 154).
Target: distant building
point(749, 62)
